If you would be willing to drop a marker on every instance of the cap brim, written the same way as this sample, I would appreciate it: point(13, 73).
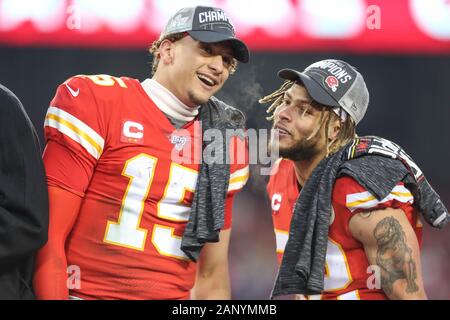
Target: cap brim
point(315, 90)
point(240, 50)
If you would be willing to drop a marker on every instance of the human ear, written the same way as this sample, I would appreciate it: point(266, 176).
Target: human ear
point(166, 51)
point(335, 127)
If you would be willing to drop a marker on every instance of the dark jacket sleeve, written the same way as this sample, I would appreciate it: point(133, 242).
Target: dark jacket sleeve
point(23, 189)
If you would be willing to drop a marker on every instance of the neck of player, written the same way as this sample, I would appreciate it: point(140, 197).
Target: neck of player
point(167, 102)
point(304, 168)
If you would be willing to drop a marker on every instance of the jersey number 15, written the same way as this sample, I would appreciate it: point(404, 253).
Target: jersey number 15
point(126, 232)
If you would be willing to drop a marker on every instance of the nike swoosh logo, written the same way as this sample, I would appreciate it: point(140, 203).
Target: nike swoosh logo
point(73, 92)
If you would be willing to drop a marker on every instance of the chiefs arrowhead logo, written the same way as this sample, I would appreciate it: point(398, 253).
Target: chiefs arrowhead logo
point(332, 82)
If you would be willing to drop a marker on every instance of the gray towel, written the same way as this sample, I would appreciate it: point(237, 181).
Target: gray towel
point(378, 170)
point(208, 206)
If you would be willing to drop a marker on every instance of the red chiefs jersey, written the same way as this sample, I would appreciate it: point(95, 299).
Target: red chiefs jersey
point(109, 143)
point(347, 269)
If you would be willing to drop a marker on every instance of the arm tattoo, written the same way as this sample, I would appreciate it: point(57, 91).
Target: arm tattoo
point(394, 257)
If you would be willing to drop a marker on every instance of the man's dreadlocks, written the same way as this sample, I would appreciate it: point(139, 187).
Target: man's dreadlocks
point(276, 98)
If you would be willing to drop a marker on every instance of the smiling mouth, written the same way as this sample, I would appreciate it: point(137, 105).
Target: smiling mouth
point(210, 82)
point(282, 131)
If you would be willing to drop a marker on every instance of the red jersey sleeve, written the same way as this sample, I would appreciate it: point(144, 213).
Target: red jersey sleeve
point(350, 198)
point(239, 174)
point(75, 131)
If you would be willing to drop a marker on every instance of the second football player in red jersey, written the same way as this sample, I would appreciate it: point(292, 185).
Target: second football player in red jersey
point(122, 171)
point(315, 114)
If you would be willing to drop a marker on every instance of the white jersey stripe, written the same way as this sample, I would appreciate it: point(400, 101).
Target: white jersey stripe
point(352, 295)
point(240, 173)
point(365, 200)
point(238, 179)
point(74, 136)
point(76, 130)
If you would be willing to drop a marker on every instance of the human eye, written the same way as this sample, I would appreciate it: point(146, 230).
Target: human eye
point(308, 110)
point(285, 101)
point(304, 109)
point(206, 49)
point(227, 61)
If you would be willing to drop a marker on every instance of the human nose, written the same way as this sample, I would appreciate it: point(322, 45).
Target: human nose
point(283, 112)
point(216, 63)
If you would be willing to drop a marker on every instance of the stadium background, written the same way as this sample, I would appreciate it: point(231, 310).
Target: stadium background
point(410, 104)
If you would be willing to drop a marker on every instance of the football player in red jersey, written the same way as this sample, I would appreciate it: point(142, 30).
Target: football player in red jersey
point(315, 113)
point(122, 171)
